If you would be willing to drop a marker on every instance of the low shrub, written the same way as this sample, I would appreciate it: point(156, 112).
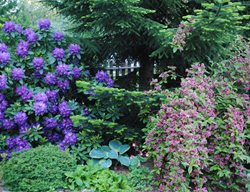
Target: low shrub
point(37, 170)
point(97, 179)
point(141, 179)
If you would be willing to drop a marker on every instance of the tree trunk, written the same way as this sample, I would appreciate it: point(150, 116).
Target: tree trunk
point(145, 73)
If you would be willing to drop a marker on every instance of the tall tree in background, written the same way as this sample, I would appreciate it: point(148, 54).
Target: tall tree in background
point(7, 8)
point(143, 29)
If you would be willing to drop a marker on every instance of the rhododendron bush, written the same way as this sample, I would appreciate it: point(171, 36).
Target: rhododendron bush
point(199, 138)
point(38, 70)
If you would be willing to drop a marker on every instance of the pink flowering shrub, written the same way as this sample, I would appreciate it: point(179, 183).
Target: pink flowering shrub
point(198, 139)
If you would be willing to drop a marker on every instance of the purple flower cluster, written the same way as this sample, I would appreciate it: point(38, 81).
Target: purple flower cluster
point(41, 97)
point(58, 54)
point(58, 36)
point(31, 36)
point(44, 24)
point(62, 70)
point(70, 138)
point(38, 63)
point(3, 47)
point(4, 58)
point(17, 74)
point(9, 27)
point(20, 118)
point(24, 93)
point(3, 82)
point(37, 86)
point(103, 77)
point(74, 49)
point(40, 108)
point(22, 49)
point(64, 109)
point(17, 144)
point(50, 123)
point(50, 79)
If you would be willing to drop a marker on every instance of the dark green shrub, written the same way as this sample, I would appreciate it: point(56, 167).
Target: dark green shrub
point(97, 179)
point(39, 169)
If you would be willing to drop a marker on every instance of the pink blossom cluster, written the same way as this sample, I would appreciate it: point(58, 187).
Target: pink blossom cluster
point(183, 31)
point(200, 134)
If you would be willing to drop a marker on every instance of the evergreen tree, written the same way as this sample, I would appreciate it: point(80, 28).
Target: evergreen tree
point(7, 8)
point(142, 29)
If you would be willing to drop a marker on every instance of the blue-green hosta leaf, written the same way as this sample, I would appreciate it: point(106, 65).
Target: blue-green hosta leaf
point(134, 162)
point(113, 154)
point(105, 148)
point(115, 145)
point(105, 163)
point(123, 149)
point(97, 154)
point(124, 160)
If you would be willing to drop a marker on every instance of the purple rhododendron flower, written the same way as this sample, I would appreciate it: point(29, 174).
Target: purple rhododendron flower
point(17, 74)
point(50, 123)
point(70, 138)
point(38, 62)
point(52, 95)
point(22, 49)
point(1, 116)
point(9, 27)
point(63, 85)
point(40, 74)
point(19, 28)
point(3, 82)
point(41, 97)
point(32, 38)
point(17, 144)
point(40, 108)
point(66, 125)
point(64, 109)
point(51, 79)
point(110, 82)
point(53, 109)
point(58, 53)
point(44, 24)
point(74, 49)
point(8, 124)
point(103, 77)
point(58, 36)
point(53, 137)
point(24, 128)
point(24, 93)
point(4, 58)
point(20, 118)
point(3, 105)
point(62, 70)
point(28, 31)
point(76, 73)
point(3, 47)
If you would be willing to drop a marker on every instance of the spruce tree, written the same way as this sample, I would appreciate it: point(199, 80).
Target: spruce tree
point(142, 30)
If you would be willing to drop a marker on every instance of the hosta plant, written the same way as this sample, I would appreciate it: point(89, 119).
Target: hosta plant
point(104, 155)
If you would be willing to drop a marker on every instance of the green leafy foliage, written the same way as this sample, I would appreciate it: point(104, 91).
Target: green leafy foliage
point(116, 113)
point(97, 179)
point(104, 155)
point(141, 179)
point(37, 170)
